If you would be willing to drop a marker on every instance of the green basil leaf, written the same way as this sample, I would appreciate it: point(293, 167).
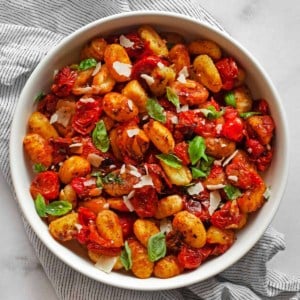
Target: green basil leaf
point(202, 169)
point(100, 137)
point(74, 66)
point(37, 168)
point(40, 205)
point(170, 160)
point(211, 113)
point(155, 110)
point(230, 99)
point(125, 257)
point(172, 97)
point(58, 208)
point(196, 149)
point(39, 97)
point(248, 114)
point(197, 173)
point(157, 246)
point(232, 192)
point(87, 64)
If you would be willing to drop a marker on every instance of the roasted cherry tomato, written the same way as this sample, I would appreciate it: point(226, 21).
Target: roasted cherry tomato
point(181, 151)
point(233, 127)
point(63, 82)
point(189, 258)
point(228, 70)
point(47, 105)
point(86, 116)
point(85, 216)
point(47, 184)
point(136, 46)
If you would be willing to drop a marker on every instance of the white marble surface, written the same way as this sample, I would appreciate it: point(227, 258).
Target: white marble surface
point(270, 30)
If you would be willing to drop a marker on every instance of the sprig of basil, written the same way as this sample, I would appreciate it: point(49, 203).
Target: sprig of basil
point(37, 168)
point(232, 192)
point(155, 110)
point(248, 114)
point(125, 257)
point(170, 160)
point(230, 99)
point(157, 247)
point(202, 169)
point(87, 64)
point(172, 97)
point(196, 149)
point(100, 137)
point(54, 208)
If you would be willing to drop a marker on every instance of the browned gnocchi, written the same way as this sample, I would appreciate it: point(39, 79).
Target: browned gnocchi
point(149, 152)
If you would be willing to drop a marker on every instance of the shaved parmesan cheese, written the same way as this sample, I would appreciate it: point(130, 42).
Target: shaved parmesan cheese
point(94, 159)
point(195, 189)
point(233, 178)
point(145, 180)
point(122, 69)
point(182, 108)
point(61, 116)
point(132, 132)
point(89, 182)
point(219, 128)
point(181, 78)
point(149, 79)
point(214, 201)
point(145, 117)
point(54, 118)
point(75, 145)
point(165, 225)
point(130, 104)
point(218, 162)
point(78, 226)
point(87, 100)
point(106, 206)
point(123, 169)
point(125, 42)
point(267, 193)
point(97, 68)
point(127, 202)
point(183, 74)
point(106, 263)
point(174, 119)
point(215, 186)
point(160, 65)
point(228, 160)
point(112, 166)
point(135, 173)
point(55, 73)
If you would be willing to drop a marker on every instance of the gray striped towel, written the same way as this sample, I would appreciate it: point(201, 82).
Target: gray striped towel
point(28, 29)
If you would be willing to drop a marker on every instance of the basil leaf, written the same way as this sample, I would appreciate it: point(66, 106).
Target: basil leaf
point(155, 110)
point(100, 137)
point(39, 97)
point(196, 149)
point(230, 99)
point(170, 160)
point(232, 192)
point(202, 168)
point(211, 113)
point(58, 208)
point(37, 168)
point(172, 97)
point(40, 205)
point(87, 64)
point(248, 114)
point(157, 246)
point(197, 173)
point(125, 257)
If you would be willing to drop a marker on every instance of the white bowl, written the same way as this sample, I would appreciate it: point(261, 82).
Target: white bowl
point(66, 52)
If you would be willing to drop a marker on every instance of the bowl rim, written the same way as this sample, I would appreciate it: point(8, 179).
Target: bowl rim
point(170, 283)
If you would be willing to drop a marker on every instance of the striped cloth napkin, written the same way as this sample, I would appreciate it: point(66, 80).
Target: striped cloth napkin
point(28, 30)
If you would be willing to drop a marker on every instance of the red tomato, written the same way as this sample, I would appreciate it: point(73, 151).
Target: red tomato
point(254, 147)
point(264, 161)
point(181, 151)
point(63, 82)
point(138, 47)
point(233, 128)
point(157, 174)
point(189, 258)
point(47, 184)
point(86, 116)
point(145, 201)
point(60, 148)
point(228, 70)
point(262, 106)
point(47, 105)
point(195, 207)
point(85, 216)
point(111, 251)
point(85, 187)
point(228, 215)
point(126, 221)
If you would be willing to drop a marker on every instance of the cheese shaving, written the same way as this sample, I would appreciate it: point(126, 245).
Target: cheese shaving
point(215, 186)
point(87, 100)
point(145, 180)
point(106, 263)
point(165, 225)
point(132, 132)
point(97, 68)
point(75, 145)
point(127, 202)
point(174, 119)
point(233, 178)
point(214, 201)
point(94, 159)
point(195, 189)
point(125, 42)
point(182, 108)
point(228, 160)
point(123, 169)
point(89, 182)
point(149, 79)
point(183, 74)
point(160, 65)
point(122, 68)
point(61, 116)
point(130, 104)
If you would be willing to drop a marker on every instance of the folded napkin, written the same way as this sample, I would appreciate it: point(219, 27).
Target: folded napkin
point(28, 30)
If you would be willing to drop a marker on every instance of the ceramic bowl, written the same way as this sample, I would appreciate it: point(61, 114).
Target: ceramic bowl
point(67, 52)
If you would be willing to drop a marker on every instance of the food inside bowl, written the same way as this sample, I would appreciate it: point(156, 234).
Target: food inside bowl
point(149, 151)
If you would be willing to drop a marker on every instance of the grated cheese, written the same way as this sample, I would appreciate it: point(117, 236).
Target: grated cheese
point(195, 189)
point(122, 68)
point(219, 128)
point(214, 201)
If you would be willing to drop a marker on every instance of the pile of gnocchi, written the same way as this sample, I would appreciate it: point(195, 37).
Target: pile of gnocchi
point(149, 152)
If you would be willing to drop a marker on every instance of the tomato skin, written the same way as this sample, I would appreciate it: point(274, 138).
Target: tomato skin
point(85, 216)
point(262, 106)
point(254, 147)
point(145, 201)
point(63, 82)
point(126, 221)
point(82, 190)
point(47, 184)
point(198, 209)
point(228, 70)
point(47, 105)
point(138, 47)
point(86, 116)
point(60, 148)
point(189, 258)
point(181, 151)
point(233, 128)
